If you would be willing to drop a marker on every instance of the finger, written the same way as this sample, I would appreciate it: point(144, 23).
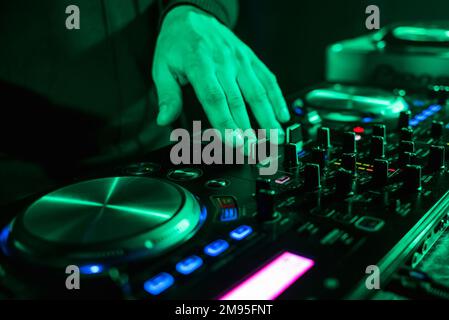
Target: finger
point(269, 82)
point(169, 95)
point(235, 100)
point(257, 98)
point(213, 99)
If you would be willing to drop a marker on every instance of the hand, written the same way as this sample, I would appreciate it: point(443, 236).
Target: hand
point(194, 47)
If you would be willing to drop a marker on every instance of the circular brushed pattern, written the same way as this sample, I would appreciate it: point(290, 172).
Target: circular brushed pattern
point(122, 216)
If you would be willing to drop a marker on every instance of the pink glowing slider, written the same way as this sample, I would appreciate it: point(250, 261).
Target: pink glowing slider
point(273, 279)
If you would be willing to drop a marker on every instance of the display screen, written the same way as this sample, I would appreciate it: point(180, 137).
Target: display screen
point(272, 279)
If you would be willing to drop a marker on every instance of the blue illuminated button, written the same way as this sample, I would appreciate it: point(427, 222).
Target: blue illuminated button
point(414, 122)
point(367, 119)
point(158, 283)
point(428, 113)
point(91, 269)
point(189, 264)
point(229, 214)
point(299, 111)
point(435, 107)
point(215, 248)
point(241, 232)
point(420, 117)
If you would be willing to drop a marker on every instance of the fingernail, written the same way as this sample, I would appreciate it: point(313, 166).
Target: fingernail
point(281, 136)
point(162, 117)
point(285, 115)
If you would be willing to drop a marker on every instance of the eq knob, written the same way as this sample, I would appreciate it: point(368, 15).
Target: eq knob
point(290, 156)
point(349, 162)
point(404, 119)
point(344, 182)
point(412, 177)
point(380, 130)
point(265, 200)
point(407, 146)
point(406, 158)
point(380, 172)
point(320, 157)
point(312, 177)
point(436, 131)
point(349, 142)
point(324, 137)
point(406, 134)
point(377, 147)
point(436, 158)
point(262, 184)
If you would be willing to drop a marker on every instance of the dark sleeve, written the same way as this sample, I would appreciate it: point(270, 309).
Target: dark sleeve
point(224, 10)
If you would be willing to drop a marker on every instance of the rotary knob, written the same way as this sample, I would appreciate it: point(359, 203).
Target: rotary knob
point(349, 142)
point(312, 177)
point(412, 178)
point(404, 119)
point(324, 137)
point(377, 147)
point(436, 158)
point(265, 200)
point(380, 172)
point(344, 182)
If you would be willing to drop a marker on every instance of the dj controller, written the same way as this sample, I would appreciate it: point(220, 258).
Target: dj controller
point(362, 182)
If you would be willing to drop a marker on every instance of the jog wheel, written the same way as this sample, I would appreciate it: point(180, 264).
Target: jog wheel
point(105, 220)
point(354, 105)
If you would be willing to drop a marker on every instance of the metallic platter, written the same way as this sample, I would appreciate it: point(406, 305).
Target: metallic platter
point(353, 104)
point(118, 217)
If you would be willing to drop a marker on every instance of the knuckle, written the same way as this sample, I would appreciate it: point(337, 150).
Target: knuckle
point(241, 56)
point(235, 102)
point(199, 46)
point(257, 97)
point(213, 96)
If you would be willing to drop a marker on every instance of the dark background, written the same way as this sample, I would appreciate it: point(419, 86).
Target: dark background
point(290, 36)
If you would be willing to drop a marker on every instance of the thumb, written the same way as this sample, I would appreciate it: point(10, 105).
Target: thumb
point(169, 96)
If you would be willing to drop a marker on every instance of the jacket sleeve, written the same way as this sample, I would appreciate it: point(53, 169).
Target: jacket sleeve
point(224, 10)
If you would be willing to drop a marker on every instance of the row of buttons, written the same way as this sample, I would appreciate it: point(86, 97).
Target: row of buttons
point(430, 111)
point(164, 280)
point(184, 174)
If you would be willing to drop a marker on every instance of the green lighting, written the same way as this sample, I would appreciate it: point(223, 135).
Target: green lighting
point(335, 95)
point(183, 225)
point(111, 189)
point(421, 34)
point(139, 211)
point(67, 200)
point(337, 47)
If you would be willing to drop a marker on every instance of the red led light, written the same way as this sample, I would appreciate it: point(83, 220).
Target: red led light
point(359, 130)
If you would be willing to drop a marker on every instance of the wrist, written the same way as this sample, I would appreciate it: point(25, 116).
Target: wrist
point(182, 11)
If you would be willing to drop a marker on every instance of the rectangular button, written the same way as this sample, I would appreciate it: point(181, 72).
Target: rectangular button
point(159, 283)
point(230, 214)
point(282, 180)
point(189, 264)
point(369, 224)
point(215, 248)
point(241, 232)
